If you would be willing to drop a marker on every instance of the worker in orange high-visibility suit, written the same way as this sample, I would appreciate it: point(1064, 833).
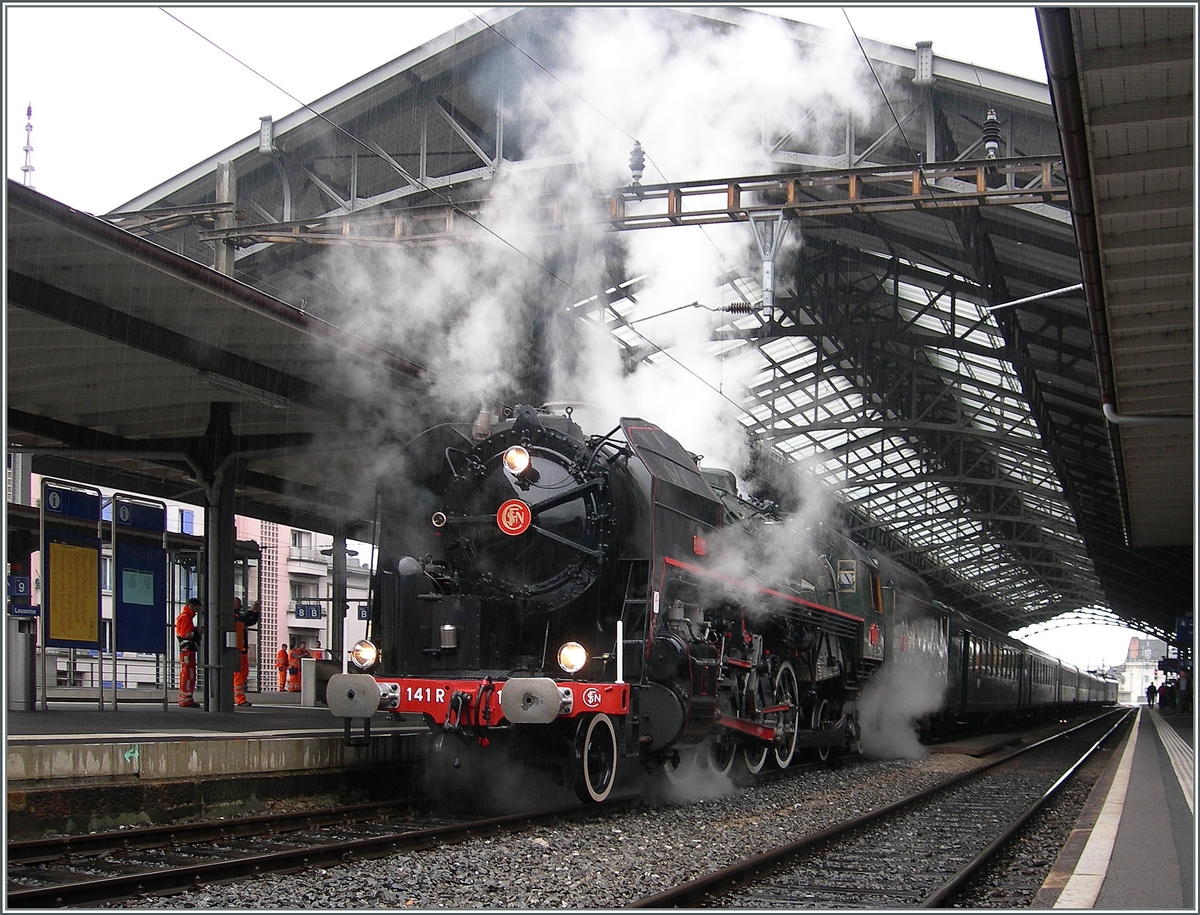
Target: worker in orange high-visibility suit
point(188, 634)
point(294, 656)
point(281, 665)
point(242, 621)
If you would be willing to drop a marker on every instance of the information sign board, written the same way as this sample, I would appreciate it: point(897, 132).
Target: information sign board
point(73, 595)
point(70, 567)
point(140, 592)
point(1183, 630)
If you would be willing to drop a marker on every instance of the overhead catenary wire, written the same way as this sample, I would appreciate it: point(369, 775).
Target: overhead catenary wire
point(371, 149)
point(645, 155)
point(900, 126)
point(447, 200)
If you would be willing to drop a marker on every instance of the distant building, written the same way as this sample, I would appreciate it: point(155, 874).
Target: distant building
point(296, 570)
point(1140, 670)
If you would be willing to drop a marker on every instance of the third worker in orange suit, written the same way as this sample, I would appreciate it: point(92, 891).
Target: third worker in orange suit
point(294, 656)
point(189, 640)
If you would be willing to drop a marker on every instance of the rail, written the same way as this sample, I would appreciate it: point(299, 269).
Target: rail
point(747, 875)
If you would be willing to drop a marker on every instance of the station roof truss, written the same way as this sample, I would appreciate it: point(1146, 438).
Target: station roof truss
point(961, 434)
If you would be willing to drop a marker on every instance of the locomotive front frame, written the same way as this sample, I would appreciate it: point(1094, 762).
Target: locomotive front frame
point(607, 720)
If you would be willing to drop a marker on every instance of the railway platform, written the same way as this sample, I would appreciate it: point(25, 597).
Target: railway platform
point(1132, 848)
point(1134, 845)
point(74, 714)
point(83, 768)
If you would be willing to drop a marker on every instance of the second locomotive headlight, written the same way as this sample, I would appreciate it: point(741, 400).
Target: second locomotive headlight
point(571, 657)
point(364, 655)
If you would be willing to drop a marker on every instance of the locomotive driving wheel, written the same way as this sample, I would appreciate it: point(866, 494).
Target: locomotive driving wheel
point(821, 715)
point(755, 756)
point(757, 753)
point(722, 745)
point(787, 723)
point(596, 758)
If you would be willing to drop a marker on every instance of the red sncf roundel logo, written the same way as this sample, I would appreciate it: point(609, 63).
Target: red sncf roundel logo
point(514, 517)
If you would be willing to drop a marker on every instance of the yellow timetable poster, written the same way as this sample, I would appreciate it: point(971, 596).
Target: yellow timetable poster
point(73, 609)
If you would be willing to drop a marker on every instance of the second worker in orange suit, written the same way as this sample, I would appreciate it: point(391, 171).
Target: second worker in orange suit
point(281, 666)
point(242, 621)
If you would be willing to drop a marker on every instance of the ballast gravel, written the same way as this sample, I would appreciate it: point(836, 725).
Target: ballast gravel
point(604, 862)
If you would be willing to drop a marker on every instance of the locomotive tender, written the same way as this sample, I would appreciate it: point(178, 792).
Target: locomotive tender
point(573, 595)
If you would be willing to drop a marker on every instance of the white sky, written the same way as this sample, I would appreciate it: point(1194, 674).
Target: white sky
point(127, 97)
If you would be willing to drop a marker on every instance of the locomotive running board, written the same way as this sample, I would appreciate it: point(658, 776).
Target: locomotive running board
point(742, 726)
point(833, 737)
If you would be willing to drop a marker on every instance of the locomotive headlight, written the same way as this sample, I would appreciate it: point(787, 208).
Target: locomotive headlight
point(364, 655)
point(517, 460)
point(571, 657)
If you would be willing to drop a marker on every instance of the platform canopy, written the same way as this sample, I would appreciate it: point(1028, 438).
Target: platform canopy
point(932, 349)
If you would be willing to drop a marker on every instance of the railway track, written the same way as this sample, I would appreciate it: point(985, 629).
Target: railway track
point(78, 870)
point(107, 867)
point(138, 863)
point(917, 852)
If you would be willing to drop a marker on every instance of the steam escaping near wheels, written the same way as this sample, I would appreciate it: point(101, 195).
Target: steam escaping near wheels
point(890, 708)
point(695, 778)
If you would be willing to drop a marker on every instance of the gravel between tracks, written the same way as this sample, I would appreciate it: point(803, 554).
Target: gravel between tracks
point(604, 862)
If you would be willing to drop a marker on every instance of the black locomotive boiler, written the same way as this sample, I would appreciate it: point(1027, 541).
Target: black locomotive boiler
point(576, 596)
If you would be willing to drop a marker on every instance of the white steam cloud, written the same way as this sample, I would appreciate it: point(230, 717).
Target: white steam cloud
point(488, 320)
point(893, 703)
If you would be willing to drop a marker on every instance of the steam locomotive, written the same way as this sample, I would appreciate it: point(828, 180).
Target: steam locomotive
point(602, 603)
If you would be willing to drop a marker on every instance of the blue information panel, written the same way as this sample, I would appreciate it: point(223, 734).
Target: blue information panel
point(137, 516)
point(70, 503)
point(140, 576)
point(140, 589)
point(308, 611)
point(364, 611)
point(70, 569)
point(1183, 630)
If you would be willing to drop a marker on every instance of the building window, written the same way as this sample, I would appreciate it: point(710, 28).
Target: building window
point(303, 591)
